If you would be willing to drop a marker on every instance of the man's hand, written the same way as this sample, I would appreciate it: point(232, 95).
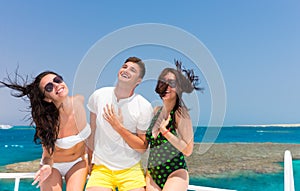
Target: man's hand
point(115, 120)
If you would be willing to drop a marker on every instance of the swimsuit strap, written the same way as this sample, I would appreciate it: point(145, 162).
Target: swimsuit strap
point(171, 124)
point(154, 119)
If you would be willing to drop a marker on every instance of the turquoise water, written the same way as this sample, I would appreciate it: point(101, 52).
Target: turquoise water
point(25, 185)
point(241, 182)
point(249, 181)
point(16, 145)
point(251, 134)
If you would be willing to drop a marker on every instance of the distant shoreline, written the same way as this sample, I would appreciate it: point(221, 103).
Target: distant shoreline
point(269, 125)
point(5, 126)
point(245, 125)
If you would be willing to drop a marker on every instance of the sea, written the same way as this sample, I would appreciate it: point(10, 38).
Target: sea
point(16, 145)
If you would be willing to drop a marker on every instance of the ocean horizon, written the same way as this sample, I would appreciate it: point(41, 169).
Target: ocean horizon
point(16, 145)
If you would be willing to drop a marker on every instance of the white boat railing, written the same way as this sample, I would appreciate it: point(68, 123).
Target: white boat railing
point(288, 172)
point(288, 177)
point(18, 176)
point(203, 188)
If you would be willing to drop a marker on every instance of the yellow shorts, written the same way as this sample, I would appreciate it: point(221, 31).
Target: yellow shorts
point(126, 179)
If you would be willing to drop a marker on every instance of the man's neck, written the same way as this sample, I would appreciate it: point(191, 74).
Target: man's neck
point(123, 92)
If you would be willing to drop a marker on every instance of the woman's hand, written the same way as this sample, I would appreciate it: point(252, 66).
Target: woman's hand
point(163, 125)
point(42, 174)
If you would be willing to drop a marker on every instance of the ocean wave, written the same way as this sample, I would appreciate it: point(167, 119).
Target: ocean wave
point(5, 126)
point(272, 125)
point(272, 131)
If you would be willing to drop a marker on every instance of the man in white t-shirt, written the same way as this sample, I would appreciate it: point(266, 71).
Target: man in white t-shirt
point(119, 119)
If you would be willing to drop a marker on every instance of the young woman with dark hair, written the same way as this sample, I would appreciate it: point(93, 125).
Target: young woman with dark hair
point(60, 126)
point(170, 134)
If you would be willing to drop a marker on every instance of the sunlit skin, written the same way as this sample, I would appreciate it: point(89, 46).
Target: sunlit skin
point(59, 93)
point(128, 79)
point(179, 179)
point(170, 96)
point(72, 120)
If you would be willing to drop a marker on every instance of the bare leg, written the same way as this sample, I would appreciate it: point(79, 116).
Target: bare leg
point(138, 189)
point(177, 180)
point(98, 189)
point(150, 184)
point(76, 176)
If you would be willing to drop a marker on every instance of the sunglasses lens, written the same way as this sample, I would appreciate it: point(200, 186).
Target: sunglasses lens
point(172, 83)
point(161, 88)
point(58, 79)
point(49, 87)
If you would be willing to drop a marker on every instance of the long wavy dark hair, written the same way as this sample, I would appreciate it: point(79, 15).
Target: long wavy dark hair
point(186, 82)
point(44, 114)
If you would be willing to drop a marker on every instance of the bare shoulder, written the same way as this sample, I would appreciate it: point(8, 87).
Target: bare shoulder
point(78, 98)
point(183, 112)
point(183, 121)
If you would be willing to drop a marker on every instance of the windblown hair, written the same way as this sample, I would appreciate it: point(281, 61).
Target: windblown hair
point(44, 115)
point(186, 82)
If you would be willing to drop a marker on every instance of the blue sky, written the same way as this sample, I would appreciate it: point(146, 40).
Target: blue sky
point(254, 43)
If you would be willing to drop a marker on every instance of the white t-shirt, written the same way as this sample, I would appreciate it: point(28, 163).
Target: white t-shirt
point(110, 149)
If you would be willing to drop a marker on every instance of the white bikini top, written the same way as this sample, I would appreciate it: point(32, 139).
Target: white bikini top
point(70, 141)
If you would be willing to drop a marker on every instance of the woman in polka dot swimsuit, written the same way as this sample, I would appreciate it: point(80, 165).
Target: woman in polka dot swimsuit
point(170, 134)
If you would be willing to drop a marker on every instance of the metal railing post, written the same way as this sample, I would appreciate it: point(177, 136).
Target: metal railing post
point(17, 182)
point(288, 172)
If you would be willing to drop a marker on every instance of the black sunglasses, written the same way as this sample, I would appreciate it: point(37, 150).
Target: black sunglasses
point(57, 79)
point(171, 83)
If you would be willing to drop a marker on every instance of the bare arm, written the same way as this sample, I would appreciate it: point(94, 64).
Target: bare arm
point(136, 141)
point(45, 170)
point(185, 140)
point(46, 157)
point(90, 141)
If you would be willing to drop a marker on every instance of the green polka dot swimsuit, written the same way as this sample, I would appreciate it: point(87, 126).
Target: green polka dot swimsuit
point(164, 158)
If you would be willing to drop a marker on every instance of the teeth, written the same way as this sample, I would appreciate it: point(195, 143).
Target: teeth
point(124, 75)
point(60, 90)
